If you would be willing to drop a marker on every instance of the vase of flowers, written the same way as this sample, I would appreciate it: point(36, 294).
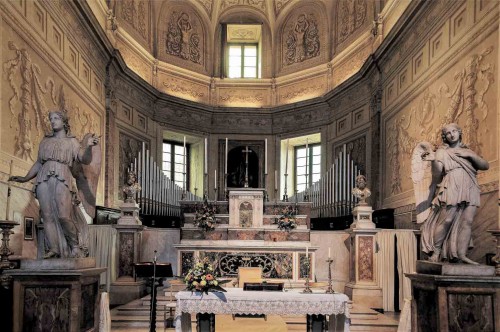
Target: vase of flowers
point(288, 218)
point(205, 216)
point(202, 278)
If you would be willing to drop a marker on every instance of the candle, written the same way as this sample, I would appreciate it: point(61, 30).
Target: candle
point(206, 159)
point(265, 157)
point(286, 157)
point(275, 179)
point(307, 251)
point(7, 208)
point(329, 254)
point(215, 179)
point(225, 169)
point(307, 159)
point(184, 157)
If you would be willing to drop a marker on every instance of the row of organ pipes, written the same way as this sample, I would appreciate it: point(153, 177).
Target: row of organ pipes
point(331, 196)
point(159, 194)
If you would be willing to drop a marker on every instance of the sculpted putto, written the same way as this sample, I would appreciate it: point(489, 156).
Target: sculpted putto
point(63, 161)
point(447, 195)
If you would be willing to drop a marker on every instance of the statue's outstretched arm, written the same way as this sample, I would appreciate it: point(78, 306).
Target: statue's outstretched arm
point(31, 173)
point(85, 153)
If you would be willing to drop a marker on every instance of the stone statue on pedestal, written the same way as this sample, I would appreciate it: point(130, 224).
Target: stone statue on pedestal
point(361, 191)
point(62, 163)
point(131, 188)
point(447, 195)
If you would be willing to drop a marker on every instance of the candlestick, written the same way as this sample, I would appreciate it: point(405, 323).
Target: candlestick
point(206, 159)
point(7, 208)
point(307, 264)
point(329, 290)
point(225, 169)
point(275, 180)
point(265, 157)
point(329, 253)
point(215, 179)
point(307, 251)
point(307, 161)
point(184, 167)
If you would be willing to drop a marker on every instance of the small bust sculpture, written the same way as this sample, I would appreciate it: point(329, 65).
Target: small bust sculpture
point(360, 191)
point(131, 188)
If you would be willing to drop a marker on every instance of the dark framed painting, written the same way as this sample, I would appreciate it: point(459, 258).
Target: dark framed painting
point(29, 228)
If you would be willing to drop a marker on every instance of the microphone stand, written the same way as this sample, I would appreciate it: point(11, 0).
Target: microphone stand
point(152, 314)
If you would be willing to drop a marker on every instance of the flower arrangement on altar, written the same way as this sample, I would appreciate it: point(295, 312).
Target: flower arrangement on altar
point(205, 216)
point(202, 278)
point(288, 218)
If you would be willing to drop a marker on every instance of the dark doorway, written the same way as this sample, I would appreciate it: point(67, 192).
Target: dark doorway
point(236, 168)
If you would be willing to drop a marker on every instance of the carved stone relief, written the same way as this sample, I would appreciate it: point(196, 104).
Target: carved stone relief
point(28, 104)
point(183, 88)
point(129, 150)
point(184, 37)
point(243, 97)
point(357, 150)
point(302, 90)
point(301, 39)
point(140, 66)
point(464, 104)
point(351, 15)
point(257, 4)
point(47, 308)
point(207, 4)
point(279, 5)
point(471, 312)
point(136, 13)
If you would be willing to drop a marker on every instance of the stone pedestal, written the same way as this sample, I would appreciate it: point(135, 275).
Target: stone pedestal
point(126, 288)
point(56, 295)
point(455, 297)
point(130, 214)
point(362, 217)
point(362, 287)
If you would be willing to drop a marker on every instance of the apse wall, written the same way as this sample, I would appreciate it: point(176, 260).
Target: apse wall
point(437, 63)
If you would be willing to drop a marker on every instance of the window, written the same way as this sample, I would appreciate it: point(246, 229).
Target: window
point(307, 166)
point(173, 163)
point(242, 50)
point(242, 61)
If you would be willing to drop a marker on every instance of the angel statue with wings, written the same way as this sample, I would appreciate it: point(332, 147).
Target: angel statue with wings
point(63, 161)
point(447, 195)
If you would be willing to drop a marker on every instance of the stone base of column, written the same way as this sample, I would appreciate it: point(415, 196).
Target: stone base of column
point(365, 295)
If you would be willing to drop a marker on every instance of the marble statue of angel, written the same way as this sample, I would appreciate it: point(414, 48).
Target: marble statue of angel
point(447, 195)
point(62, 162)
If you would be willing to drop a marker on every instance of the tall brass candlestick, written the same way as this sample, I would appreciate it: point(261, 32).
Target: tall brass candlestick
point(307, 290)
point(329, 290)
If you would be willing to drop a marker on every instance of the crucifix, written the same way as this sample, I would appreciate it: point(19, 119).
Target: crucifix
point(246, 151)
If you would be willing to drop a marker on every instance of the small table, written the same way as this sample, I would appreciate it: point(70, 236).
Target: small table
point(236, 301)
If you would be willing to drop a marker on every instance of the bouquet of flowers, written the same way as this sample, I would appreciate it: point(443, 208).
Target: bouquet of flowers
point(205, 216)
point(202, 278)
point(287, 220)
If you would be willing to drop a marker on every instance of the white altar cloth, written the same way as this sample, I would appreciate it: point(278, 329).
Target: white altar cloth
point(237, 301)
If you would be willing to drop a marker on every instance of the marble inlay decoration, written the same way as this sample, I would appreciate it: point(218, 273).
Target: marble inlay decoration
point(126, 256)
point(246, 213)
point(187, 261)
point(365, 258)
point(471, 312)
point(47, 308)
point(89, 294)
point(274, 265)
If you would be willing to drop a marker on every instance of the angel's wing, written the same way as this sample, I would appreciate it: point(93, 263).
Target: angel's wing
point(421, 175)
point(87, 176)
